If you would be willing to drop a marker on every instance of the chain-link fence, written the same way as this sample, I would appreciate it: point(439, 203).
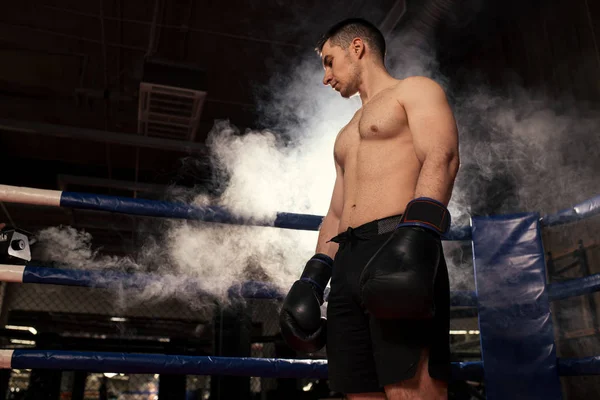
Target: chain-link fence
point(49, 317)
point(573, 251)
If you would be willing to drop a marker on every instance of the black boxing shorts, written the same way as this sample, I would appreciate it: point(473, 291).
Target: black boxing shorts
point(365, 354)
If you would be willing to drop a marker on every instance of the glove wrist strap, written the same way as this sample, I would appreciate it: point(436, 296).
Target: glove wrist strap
point(427, 213)
point(318, 270)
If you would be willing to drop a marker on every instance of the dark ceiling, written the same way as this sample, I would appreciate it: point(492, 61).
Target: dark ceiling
point(80, 64)
point(70, 83)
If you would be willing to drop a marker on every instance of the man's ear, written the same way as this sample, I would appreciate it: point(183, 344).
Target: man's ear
point(357, 47)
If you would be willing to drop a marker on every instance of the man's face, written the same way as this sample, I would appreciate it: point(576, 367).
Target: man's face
point(341, 71)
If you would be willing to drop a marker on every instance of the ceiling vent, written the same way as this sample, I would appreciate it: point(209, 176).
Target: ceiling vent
point(171, 100)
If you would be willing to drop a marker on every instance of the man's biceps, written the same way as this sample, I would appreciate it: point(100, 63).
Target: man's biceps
point(435, 144)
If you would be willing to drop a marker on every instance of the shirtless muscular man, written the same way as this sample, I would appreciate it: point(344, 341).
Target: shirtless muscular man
point(387, 326)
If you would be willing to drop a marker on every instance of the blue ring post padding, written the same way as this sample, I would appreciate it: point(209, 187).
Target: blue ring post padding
point(194, 365)
point(517, 338)
point(579, 366)
point(574, 287)
point(580, 211)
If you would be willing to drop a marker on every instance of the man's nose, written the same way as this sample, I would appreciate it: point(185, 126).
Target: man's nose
point(326, 79)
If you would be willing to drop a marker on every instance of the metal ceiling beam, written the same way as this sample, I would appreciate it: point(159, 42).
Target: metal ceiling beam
point(176, 27)
point(66, 35)
point(95, 135)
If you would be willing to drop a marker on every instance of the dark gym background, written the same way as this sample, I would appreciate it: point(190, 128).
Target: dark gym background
point(75, 77)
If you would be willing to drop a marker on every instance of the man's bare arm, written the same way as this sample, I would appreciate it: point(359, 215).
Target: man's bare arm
point(331, 222)
point(435, 137)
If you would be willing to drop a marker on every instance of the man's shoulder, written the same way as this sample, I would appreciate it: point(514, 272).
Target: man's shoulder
point(419, 83)
point(418, 88)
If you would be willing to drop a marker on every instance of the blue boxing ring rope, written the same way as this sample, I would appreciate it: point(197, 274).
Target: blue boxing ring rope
point(249, 290)
point(155, 208)
point(186, 365)
point(517, 341)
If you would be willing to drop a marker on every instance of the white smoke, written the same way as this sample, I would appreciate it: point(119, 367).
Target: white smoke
point(518, 153)
point(65, 247)
point(266, 172)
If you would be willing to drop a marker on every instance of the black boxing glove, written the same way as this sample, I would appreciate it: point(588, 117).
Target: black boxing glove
point(398, 281)
point(300, 319)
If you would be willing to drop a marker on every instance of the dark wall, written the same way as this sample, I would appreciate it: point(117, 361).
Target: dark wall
point(550, 46)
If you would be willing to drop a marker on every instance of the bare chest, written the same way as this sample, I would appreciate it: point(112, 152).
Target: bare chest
point(383, 119)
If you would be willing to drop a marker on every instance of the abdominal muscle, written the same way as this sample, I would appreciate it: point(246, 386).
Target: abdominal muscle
point(379, 180)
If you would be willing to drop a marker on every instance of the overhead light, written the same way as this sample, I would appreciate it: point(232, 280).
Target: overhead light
point(110, 374)
point(464, 332)
point(164, 339)
point(19, 341)
point(118, 319)
point(307, 387)
point(22, 328)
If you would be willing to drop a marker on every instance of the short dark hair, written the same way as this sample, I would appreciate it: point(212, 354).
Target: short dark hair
point(342, 33)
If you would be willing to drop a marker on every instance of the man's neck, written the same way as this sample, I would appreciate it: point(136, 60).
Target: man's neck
point(374, 79)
